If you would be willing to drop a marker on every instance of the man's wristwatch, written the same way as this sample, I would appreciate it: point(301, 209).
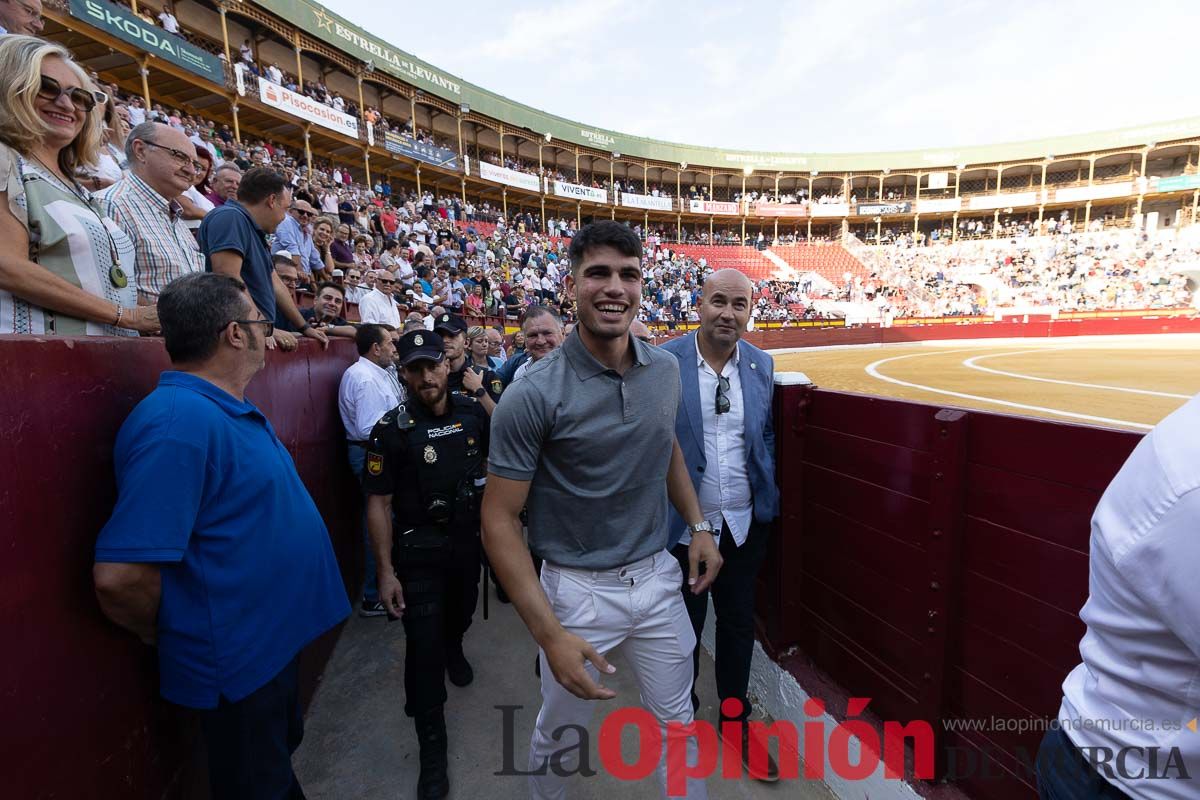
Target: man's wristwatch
point(703, 526)
point(306, 327)
point(479, 393)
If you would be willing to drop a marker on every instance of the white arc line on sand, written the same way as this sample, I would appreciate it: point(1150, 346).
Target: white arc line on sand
point(872, 369)
point(970, 362)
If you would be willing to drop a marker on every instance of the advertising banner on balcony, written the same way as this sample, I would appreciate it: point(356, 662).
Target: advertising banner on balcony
point(882, 209)
point(939, 180)
point(831, 209)
point(123, 24)
point(646, 201)
point(1012, 199)
point(509, 177)
point(1177, 183)
point(794, 210)
point(405, 145)
point(713, 207)
point(306, 108)
point(579, 192)
point(1074, 194)
point(938, 205)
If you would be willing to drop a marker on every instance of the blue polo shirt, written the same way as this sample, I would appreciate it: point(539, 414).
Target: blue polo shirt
point(230, 227)
point(207, 491)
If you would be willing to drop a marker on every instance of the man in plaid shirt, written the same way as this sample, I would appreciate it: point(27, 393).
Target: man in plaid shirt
point(162, 165)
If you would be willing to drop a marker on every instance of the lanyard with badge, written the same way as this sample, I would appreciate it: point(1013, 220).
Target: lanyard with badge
point(116, 275)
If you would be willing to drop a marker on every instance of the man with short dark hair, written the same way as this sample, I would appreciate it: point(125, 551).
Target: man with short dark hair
point(368, 390)
point(465, 378)
point(234, 241)
point(326, 313)
point(587, 441)
point(425, 469)
point(228, 580)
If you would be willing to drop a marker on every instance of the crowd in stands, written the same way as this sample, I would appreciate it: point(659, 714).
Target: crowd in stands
point(151, 175)
point(1079, 272)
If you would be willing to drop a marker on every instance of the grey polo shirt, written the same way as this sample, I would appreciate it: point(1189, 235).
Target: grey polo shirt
point(595, 446)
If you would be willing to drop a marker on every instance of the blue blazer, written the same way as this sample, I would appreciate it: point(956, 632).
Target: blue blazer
point(757, 372)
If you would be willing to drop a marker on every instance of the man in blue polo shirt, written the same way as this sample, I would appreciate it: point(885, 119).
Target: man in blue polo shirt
point(215, 550)
point(233, 239)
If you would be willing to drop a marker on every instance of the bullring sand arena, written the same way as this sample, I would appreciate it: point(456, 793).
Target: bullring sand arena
point(1129, 382)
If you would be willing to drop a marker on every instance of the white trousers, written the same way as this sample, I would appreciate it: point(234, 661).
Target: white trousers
point(640, 607)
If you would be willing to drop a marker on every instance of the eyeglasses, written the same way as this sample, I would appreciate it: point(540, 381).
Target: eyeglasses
point(181, 158)
point(722, 396)
point(33, 13)
point(384, 281)
point(50, 90)
point(267, 331)
point(302, 213)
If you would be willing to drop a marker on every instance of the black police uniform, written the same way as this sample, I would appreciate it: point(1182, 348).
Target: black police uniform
point(453, 325)
point(434, 467)
point(491, 381)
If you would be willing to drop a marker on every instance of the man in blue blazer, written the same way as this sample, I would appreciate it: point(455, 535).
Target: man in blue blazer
point(724, 429)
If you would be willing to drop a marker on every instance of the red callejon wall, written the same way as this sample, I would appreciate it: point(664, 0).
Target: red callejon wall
point(81, 713)
point(778, 338)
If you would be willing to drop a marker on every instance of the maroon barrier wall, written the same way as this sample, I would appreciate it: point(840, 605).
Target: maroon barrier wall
point(81, 713)
point(935, 561)
point(775, 338)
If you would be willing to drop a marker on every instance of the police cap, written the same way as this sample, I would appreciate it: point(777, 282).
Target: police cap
point(421, 345)
point(451, 324)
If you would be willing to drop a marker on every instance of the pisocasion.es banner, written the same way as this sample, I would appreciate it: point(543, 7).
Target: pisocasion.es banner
point(306, 108)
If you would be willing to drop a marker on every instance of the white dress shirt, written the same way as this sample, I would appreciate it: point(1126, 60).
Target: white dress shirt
point(724, 490)
point(367, 392)
point(375, 306)
point(1139, 680)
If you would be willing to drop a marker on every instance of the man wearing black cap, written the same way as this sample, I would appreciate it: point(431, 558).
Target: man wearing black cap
point(425, 469)
point(466, 379)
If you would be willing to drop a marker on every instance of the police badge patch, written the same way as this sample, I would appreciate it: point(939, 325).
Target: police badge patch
point(430, 454)
point(497, 387)
point(374, 463)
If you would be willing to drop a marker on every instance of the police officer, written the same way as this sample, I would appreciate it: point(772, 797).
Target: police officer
point(427, 459)
point(466, 379)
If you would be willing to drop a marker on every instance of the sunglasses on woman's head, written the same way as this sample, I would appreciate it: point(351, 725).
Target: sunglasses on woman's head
point(50, 90)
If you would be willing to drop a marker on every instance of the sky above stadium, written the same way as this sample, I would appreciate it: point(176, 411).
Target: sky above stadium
point(815, 75)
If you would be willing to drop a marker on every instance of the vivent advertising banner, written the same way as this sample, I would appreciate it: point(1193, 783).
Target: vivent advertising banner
point(713, 207)
point(880, 209)
point(405, 145)
point(122, 23)
point(794, 210)
point(646, 201)
point(306, 108)
point(579, 192)
point(509, 177)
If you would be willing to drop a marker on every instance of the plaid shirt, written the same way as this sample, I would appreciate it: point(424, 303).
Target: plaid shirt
point(165, 246)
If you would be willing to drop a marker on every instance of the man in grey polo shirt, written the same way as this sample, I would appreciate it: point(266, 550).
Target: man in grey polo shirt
point(588, 445)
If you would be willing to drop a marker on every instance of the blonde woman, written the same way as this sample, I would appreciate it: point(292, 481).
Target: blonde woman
point(64, 268)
